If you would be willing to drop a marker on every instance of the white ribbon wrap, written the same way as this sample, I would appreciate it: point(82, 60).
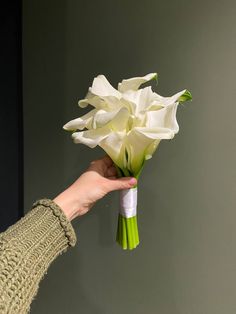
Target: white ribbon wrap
point(128, 202)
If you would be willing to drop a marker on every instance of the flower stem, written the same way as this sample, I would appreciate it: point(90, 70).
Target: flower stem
point(127, 232)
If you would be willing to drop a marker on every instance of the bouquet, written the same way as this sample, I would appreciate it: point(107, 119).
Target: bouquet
point(128, 123)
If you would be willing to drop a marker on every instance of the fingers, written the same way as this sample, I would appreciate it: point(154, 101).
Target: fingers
point(102, 165)
point(111, 172)
point(112, 177)
point(121, 183)
point(107, 161)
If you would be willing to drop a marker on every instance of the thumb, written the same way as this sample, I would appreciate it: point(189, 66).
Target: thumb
point(121, 183)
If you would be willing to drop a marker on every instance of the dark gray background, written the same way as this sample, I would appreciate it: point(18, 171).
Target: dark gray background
point(186, 262)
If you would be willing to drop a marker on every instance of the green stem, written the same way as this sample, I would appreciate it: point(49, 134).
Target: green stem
point(127, 232)
point(124, 234)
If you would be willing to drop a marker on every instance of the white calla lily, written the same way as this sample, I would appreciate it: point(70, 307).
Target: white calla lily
point(82, 122)
point(135, 82)
point(101, 87)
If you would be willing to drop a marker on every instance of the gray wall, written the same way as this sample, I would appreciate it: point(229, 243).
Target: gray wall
point(186, 262)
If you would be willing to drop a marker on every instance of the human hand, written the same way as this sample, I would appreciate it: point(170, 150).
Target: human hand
point(98, 180)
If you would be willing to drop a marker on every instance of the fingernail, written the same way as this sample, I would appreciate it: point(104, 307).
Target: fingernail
point(132, 181)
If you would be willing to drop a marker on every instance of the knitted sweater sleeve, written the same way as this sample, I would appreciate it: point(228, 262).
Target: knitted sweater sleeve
point(27, 248)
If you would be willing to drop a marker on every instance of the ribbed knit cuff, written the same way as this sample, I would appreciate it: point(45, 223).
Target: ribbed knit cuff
point(64, 222)
point(27, 249)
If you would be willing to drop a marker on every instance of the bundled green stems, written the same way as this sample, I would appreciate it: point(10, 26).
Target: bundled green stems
point(127, 232)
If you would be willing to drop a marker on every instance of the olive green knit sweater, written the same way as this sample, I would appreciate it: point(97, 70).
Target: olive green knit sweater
point(27, 248)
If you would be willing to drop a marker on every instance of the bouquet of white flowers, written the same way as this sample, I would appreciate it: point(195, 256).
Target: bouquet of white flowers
point(128, 123)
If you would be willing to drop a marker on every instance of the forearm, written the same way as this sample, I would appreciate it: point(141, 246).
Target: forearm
point(27, 249)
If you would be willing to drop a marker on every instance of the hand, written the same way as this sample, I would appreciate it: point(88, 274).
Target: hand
point(98, 180)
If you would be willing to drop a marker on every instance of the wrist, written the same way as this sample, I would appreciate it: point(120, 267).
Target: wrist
point(68, 204)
